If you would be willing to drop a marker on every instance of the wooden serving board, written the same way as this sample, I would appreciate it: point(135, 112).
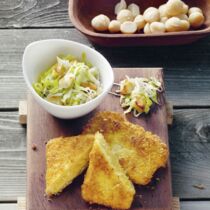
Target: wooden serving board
point(41, 127)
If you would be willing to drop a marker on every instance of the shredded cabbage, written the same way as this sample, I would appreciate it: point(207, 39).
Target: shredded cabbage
point(139, 94)
point(70, 81)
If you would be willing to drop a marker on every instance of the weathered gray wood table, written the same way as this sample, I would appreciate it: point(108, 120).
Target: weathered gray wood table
point(187, 77)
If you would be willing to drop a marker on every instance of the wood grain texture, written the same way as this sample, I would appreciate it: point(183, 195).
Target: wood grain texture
point(9, 206)
point(170, 112)
point(176, 203)
point(43, 127)
point(190, 140)
point(21, 201)
point(190, 156)
point(187, 77)
point(12, 157)
point(195, 205)
point(33, 13)
point(22, 112)
point(186, 68)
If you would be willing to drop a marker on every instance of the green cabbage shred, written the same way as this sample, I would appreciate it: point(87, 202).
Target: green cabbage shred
point(69, 82)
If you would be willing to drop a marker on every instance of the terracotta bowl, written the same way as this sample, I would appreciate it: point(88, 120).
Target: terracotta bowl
point(82, 11)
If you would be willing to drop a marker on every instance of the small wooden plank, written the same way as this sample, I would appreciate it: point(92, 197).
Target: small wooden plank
point(22, 112)
point(38, 133)
point(175, 203)
point(21, 203)
point(170, 113)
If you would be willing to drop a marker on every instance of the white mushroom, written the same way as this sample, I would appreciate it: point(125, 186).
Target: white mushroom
point(100, 22)
point(147, 29)
point(196, 19)
point(140, 22)
point(114, 26)
point(157, 27)
point(134, 8)
point(151, 15)
point(120, 6)
point(125, 15)
point(128, 27)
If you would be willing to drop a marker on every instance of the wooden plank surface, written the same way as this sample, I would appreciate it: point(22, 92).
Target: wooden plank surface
point(43, 126)
point(190, 140)
point(187, 77)
point(12, 157)
point(195, 205)
point(8, 206)
point(186, 68)
point(19, 14)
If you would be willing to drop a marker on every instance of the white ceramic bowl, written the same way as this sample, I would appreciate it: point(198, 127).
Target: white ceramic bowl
point(40, 55)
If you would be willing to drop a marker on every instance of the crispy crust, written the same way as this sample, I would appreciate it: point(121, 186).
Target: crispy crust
point(105, 181)
point(66, 159)
point(139, 152)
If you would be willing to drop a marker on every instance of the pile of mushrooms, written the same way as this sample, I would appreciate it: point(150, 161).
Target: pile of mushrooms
point(172, 16)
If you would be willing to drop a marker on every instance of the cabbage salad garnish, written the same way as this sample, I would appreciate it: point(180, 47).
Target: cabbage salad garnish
point(70, 81)
point(138, 94)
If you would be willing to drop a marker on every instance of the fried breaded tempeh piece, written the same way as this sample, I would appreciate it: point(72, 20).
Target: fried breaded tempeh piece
point(139, 152)
point(105, 181)
point(66, 159)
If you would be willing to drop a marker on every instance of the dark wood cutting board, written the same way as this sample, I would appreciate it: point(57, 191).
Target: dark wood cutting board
point(41, 127)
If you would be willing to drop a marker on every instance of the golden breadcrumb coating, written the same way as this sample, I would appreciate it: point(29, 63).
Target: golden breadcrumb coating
point(105, 181)
point(140, 152)
point(66, 159)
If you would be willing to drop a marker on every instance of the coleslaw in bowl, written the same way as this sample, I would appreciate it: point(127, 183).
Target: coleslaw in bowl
point(82, 90)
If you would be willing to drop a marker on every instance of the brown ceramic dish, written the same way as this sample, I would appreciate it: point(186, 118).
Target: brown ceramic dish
point(82, 11)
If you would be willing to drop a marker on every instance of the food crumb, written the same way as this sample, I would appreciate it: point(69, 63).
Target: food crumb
point(138, 196)
point(49, 199)
point(153, 188)
point(199, 186)
point(158, 179)
point(34, 147)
